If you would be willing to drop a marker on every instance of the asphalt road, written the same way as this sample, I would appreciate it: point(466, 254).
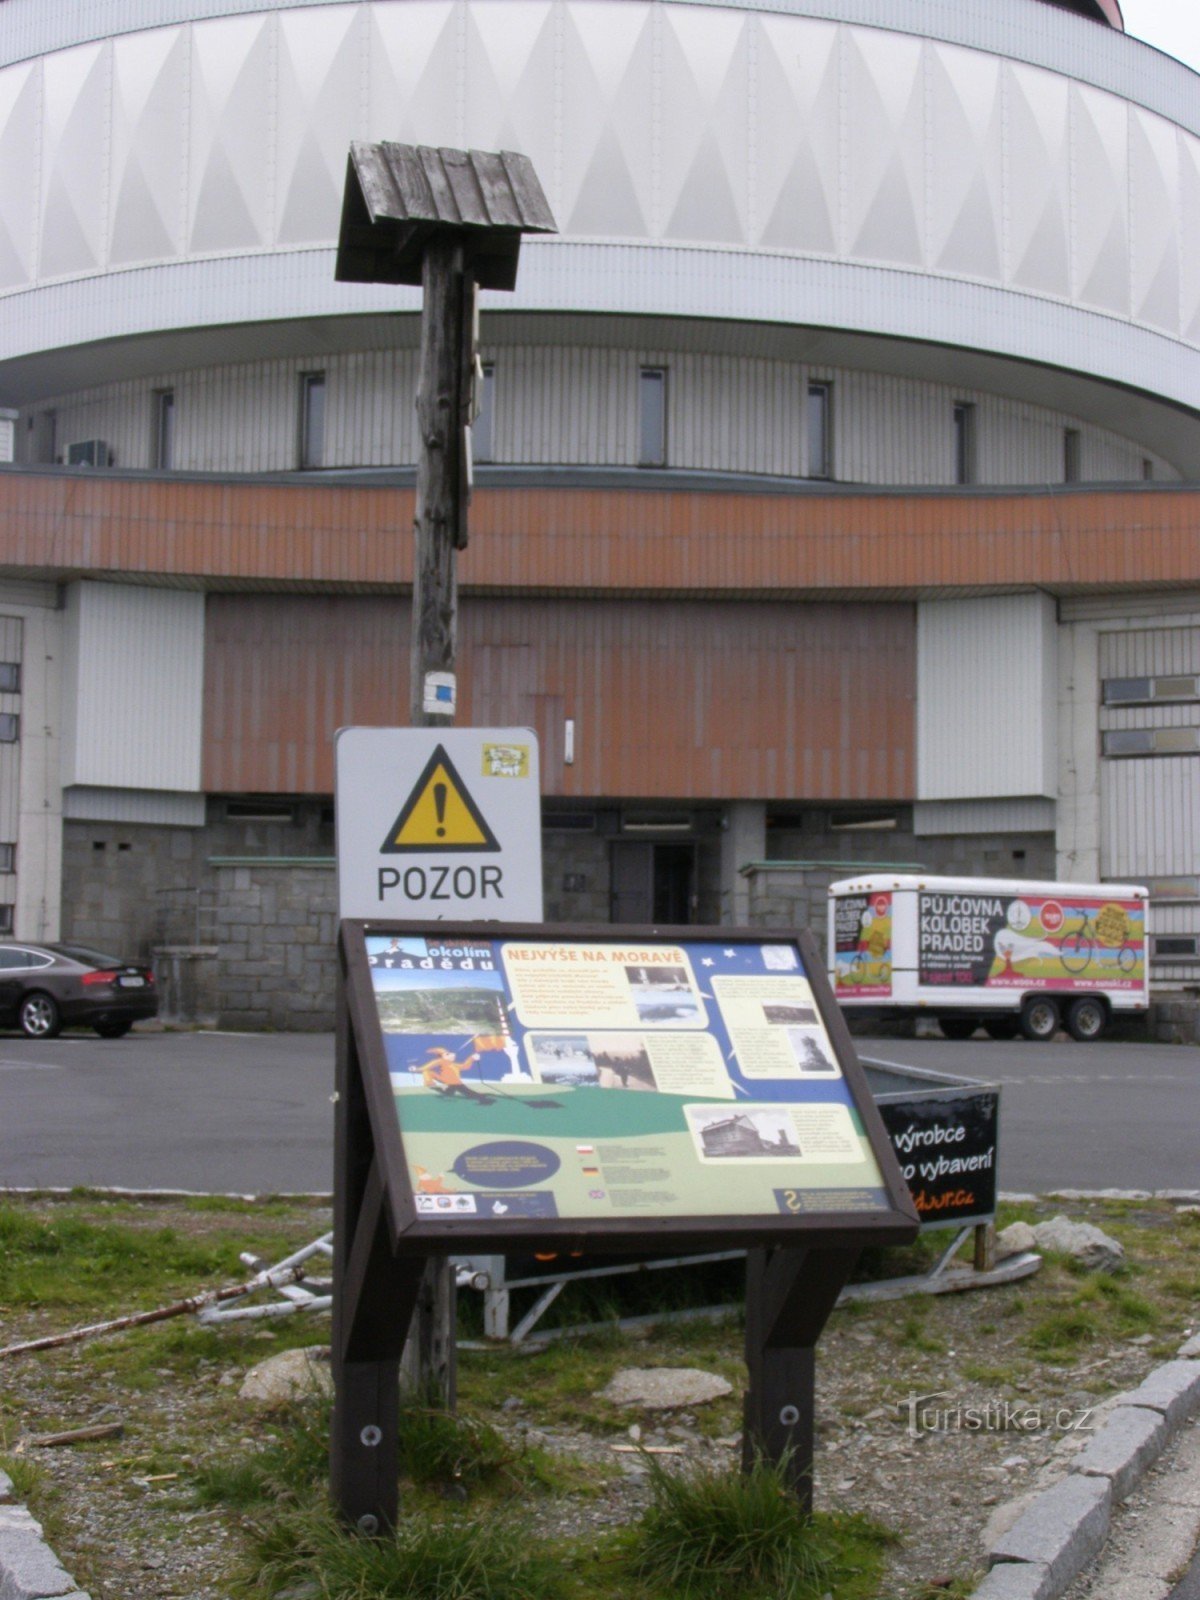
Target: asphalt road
point(251, 1113)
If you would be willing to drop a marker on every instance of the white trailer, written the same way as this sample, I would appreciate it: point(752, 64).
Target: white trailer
point(1012, 955)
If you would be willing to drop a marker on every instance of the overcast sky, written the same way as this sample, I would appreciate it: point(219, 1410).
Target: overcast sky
point(1170, 25)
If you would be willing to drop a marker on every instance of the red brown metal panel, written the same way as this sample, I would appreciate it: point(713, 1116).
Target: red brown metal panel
point(670, 698)
point(604, 541)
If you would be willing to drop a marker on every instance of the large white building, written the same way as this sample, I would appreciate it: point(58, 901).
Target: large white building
point(842, 452)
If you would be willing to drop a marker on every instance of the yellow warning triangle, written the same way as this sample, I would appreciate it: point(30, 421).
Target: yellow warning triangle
point(439, 814)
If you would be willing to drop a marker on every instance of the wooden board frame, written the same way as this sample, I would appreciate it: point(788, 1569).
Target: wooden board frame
point(424, 1235)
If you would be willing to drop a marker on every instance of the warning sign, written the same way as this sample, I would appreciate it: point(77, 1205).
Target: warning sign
point(439, 814)
point(440, 823)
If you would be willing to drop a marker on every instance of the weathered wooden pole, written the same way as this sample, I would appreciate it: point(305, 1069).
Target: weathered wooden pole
point(449, 220)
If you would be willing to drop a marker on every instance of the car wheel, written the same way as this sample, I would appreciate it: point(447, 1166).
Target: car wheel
point(113, 1030)
point(1001, 1027)
point(957, 1027)
point(1087, 1018)
point(39, 1016)
point(1039, 1018)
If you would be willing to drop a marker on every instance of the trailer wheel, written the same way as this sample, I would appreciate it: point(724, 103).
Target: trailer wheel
point(1087, 1018)
point(1001, 1027)
point(1039, 1018)
point(958, 1027)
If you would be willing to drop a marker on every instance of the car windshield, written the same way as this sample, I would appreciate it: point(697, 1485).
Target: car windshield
point(89, 958)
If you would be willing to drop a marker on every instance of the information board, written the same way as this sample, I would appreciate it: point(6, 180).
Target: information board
point(585, 1082)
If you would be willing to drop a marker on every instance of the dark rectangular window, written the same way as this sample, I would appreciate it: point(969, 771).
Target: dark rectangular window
point(312, 419)
point(1151, 742)
point(818, 425)
point(964, 442)
point(1071, 472)
point(10, 677)
point(1147, 469)
point(8, 858)
point(1146, 691)
point(10, 728)
point(6, 919)
point(164, 429)
point(481, 428)
point(652, 417)
point(1181, 945)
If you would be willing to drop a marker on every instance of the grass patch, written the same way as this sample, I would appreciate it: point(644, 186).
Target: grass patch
point(1062, 1334)
point(306, 1551)
point(726, 1536)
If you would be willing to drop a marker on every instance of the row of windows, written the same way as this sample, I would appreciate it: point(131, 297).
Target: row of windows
point(651, 419)
point(652, 422)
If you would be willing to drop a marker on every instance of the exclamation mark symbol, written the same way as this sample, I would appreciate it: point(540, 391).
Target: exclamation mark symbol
point(439, 802)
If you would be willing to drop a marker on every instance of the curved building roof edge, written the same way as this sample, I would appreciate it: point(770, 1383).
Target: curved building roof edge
point(1039, 32)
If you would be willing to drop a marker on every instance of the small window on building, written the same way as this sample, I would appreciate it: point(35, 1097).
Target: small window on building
point(818, 426)
point(481, 428)
point(1071, 455)
point(10, 677)
point(10, 728)
point(964, 442)
point(1147, 469)
point(1182, 946)
point(652, 417)
point(1151, 742)
point(8, 858)
point(1146, 691)
point(164, 429)
point(312, 420)
point(6, 919)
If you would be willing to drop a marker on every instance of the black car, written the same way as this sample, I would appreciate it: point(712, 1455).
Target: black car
point(45, 988)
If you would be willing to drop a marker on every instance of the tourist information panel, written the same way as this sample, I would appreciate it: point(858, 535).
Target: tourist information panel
point(610, 1080)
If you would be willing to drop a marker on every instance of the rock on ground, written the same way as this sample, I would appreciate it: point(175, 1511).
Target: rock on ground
point(1082, 1242)
point(291, 1375)
point(664, 1388)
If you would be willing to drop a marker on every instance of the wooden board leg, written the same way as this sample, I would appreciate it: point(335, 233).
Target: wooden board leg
point(779, 1423)
point(365, 1468)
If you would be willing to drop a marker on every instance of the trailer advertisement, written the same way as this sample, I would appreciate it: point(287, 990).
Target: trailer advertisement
point(1001, 941)
point(862, 963)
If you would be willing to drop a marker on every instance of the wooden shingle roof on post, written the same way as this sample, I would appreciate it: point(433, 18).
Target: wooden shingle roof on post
point(397, 196)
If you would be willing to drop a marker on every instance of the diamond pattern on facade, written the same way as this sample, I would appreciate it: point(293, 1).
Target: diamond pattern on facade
point(149, 99)
point(884, 139)
point(606, 184)
point(966, 189)
point(20, 114)
point(75, 160)
point(509, 63)
point(1039, 165)
point(414, 76)
point(797, 154)
point(1155, 209)
point(702, 124)
point(703, 146)
point(320, 109)
point(1099, 131)
point(231, 142)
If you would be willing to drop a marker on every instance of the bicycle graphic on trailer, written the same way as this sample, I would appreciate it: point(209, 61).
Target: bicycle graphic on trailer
point(1078, 948)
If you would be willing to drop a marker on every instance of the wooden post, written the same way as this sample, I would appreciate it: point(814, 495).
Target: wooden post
point(439, 531)
point(440, 527)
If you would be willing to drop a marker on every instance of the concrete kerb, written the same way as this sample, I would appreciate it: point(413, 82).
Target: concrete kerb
point(29, 1569)
point(1065, 1527)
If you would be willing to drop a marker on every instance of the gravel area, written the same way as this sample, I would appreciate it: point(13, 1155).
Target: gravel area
point(932, 1415)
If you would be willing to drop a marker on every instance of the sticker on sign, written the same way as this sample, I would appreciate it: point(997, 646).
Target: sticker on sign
point(438, 822)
